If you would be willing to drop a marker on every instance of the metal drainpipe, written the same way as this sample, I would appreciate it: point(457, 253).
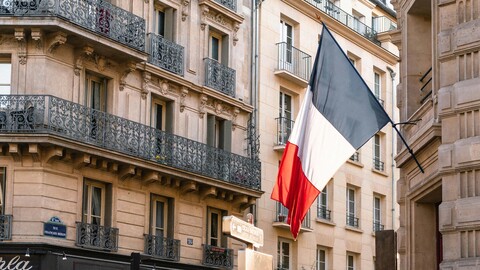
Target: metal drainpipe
point(392, 76)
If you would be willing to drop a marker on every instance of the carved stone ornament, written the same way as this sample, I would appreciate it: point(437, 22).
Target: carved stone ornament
point(203, 19)
point(22, 45)
point(86, 52)
point(183, 94)
point(218, 107)
point(185, 4)
point(235, 113)
point(131, 66)
point(55, 40)
point(164, 87)
point(147, 77)
point(201, 108)
point(37, 36)
point(236, 26)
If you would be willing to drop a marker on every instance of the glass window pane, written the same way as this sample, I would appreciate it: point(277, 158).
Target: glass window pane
point(96, 201)
point(159, 214)
point(5, 73)
point(5, 89)
point(215, 48)
point(161, 23)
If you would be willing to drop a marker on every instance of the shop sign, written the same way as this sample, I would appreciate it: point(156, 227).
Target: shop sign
point(16, 263)
point(54, 227)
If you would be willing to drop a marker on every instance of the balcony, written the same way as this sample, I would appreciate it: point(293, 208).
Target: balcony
point(162, 247)
point(346, 19)
point(97, 237)
point(378, 164)
point(383, 24)
point(220, 77)
point(166, 54)
point(293, 64)
point(284, 129)
point(355, 157)
point(98, 16)
point(5, 227)
point(323, 213)
point(281, 219)
point(217, 257)
point(230, 4)
point(377, 226)
point(352, 221)
point(44, 114)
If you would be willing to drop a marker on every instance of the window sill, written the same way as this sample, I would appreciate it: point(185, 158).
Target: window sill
point(382, 173)
point(353, 229)
point(356, 163)
point(325, 221)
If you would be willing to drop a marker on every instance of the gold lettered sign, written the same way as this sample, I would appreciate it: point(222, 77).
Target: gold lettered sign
point(242, 231)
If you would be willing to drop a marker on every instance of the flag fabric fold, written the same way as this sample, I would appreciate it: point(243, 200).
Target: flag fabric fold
point(338, 115)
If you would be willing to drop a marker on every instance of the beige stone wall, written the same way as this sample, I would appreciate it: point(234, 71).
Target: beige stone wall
point(333, 235)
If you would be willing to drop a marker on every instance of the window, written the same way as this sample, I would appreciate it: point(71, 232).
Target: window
point(164, 21)
point(94, 203)
point(321, 259)
point(5, 76)
point(285, 118)
point(356, 61)
point(219, 132)
point(323, 211)
point(350, 261)
point(286, 38)
point(377, 152)
point(214, 232)
point(161, 218)
point(218, 47)
point(283, 255)
point(352, 220)
point(3, 182)
point(96, 92)
point(377, 85)
point(358, 21)
point(377, 214)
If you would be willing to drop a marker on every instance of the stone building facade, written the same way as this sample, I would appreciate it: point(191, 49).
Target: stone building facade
point(339, 231)
point(124, 131)
point(439, 84)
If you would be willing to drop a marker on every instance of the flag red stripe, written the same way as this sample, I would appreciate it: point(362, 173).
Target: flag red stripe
point(293, 189)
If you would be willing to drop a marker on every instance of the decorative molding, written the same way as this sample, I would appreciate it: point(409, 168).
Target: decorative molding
point(185, 4)
point(131, 66)
point(22, 45)
point(102, 62)
point(205, 11)
point(37, 36)
point(236, 26)
point(147, 77)
point(164, 87)
point(56, 39)
point(203, 103)
point(235, 113)
point(183, 94)
point(218, 107)
point(87, 52)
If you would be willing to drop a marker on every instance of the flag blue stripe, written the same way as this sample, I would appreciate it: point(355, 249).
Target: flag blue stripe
point(342, 96)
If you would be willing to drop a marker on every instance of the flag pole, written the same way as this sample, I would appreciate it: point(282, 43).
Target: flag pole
point(408, 147)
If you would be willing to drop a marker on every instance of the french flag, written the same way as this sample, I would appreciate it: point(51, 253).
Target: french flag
point(339, 114)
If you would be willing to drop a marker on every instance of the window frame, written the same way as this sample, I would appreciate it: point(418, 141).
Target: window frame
point(323, 196)
point(89, 95)
point(215, 35)
point(377, 85)
point(350, 266)
point(220, 239)
point(153, 217)
point(321, 265)
point(281, 256)
point(377, 147)
point(155, 103)
point(7, 61)
point(3, 185)
point(88, 187)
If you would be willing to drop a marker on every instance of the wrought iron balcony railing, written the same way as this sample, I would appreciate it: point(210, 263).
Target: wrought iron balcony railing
point(5, 227)
point(52, 115)
point(230, 4)
point(166, 54)
point(377, 226)
point(323, 213)
point(162, 247)
point(282, 214)
point(340, 15)
point(355, 157)
point(217, 257)
point(378, 164)
point(98, 16)
point(97, 237)
point(294, 60)
point(383, 24)
point(352, 221)
point(284, 129)
point(220, 77)
point(426, 89)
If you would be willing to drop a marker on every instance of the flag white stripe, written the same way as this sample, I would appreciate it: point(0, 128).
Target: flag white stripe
point(322, 149)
